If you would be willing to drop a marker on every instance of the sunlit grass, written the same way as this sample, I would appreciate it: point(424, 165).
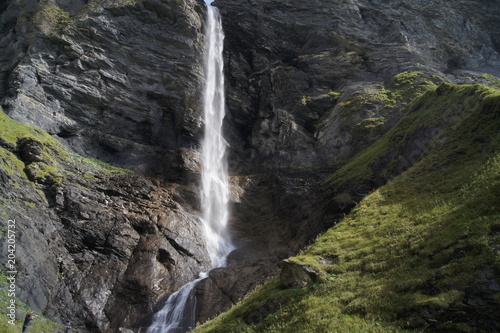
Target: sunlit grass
point(55, 162)
point(406, 254)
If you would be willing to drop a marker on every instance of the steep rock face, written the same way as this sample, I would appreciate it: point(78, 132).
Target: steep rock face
point(289, 61)
point(119, 81)
point(95, 245)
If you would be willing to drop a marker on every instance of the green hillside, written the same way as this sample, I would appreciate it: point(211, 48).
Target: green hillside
point(420, 253)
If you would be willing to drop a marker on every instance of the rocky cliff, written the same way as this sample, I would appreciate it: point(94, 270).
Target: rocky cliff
point(116, 80)
point(292, 66)
point(310, 85)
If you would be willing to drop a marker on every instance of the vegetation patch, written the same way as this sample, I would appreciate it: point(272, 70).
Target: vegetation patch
point(493, 80)
point(52, 19)
point(415, 254)
point(39, 325)
point(446, 106)
point(332, 95)
point(30, 153)
point(396, 94)
point(364, 115)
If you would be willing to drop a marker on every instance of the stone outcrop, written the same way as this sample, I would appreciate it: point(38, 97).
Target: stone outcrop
point(296, 275)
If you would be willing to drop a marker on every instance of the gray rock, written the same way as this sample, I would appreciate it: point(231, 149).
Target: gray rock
point(295, 275)
point(99, 250)
point(282, 56)
point(117, 82)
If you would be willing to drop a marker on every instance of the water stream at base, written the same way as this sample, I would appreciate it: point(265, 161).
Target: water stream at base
point(178, 313)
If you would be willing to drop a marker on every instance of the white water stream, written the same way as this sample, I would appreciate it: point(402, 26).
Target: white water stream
point(178, 313)
point(215, 184)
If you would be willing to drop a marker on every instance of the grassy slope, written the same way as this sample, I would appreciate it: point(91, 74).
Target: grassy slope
point(404, 258)
point(50, 163)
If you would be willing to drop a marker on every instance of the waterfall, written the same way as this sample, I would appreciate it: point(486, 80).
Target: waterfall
point(178, 313)
point(215, 184)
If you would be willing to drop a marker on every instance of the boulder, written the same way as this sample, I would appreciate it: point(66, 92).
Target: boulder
point(297, 275)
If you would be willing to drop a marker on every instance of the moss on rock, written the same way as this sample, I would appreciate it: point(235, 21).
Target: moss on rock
point(30, 153)
point(446, 106)
point(52, 19)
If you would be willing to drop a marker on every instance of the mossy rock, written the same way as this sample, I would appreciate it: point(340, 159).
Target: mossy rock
point(448, 106)
point(42, 173)
point(52, 19)
point(30, 153)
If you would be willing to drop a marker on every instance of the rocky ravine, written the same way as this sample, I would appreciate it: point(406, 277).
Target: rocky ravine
point(120, 81)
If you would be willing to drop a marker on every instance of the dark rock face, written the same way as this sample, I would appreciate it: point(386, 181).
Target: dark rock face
point(287, 59)
point(99, 250)
point(121, 81)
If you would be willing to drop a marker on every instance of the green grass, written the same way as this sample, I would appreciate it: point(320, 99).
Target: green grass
point(53, 163)
point(39, 325)
point(13, 130)
point(405, 256)
point(493, 80)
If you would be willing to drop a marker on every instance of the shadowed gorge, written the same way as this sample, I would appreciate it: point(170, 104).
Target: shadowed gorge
point(362, 146)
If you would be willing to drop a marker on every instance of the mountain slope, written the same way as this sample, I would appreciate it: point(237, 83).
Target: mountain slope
point(420, 253)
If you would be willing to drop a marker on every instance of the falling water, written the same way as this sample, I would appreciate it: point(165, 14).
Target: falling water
point(178, 313)
point(215, 188)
